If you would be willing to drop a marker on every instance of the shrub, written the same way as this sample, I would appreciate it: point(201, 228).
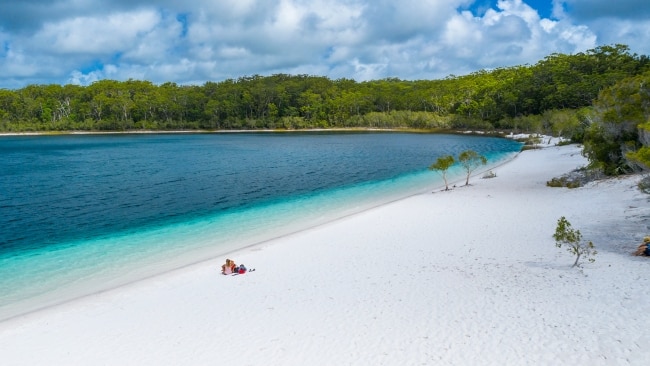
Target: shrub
point(564, 142)
point(563, 182)
point(566, 235)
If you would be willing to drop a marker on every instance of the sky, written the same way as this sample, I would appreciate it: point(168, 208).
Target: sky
point(194, 41)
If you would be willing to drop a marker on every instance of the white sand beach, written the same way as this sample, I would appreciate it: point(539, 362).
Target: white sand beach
point(469, 276)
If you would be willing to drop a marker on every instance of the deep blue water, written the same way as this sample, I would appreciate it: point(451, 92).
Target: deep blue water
point(94, 206)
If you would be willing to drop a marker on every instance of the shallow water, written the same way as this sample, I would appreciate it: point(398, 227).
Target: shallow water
point(82, 213)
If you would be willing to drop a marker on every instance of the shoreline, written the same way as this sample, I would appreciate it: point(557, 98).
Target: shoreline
point(466, 276)
point(197, 256)
point(338, 129)
point(145, 132)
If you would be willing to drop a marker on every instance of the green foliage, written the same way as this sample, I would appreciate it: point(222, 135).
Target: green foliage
point(641, 156)
point(442, 165)
point(563, 123)
point(470, 160)
point(566, 235)
point(532, 98)
point(613, 142)
point(563, 182)
point(531, 142)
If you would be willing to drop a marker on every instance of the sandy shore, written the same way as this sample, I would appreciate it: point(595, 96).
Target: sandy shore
point(465, 277)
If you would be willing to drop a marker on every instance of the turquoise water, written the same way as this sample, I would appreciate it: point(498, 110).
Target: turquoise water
point(81, 214)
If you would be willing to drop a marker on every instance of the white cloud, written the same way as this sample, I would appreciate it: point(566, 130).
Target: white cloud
point(399, 21)
point(78, 78)
point(156, 41)
point(631, 32)
point(86, 40)
point(96, 35)
point(510, 35)
point(17, 65)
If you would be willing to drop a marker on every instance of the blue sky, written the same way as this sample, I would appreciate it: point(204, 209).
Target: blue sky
point(194, 41)
point(479, 7)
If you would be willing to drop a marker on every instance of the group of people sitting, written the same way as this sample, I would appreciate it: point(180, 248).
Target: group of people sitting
point(231, 268)
point(644, 249)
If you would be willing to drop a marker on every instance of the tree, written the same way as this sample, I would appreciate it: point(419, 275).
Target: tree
point(564, 123)
point(565, 234)
point(512, 98)
point(620, 111)
point(442, 165)
point(470, 160)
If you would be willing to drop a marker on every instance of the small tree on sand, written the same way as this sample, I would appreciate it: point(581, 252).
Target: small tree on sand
point(442, 165)
point(564, 234)
point(470, 160)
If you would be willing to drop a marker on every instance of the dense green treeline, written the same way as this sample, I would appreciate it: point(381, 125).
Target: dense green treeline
point(617, 139)
point(530, 98)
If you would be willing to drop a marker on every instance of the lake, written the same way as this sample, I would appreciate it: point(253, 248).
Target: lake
point(83, 213)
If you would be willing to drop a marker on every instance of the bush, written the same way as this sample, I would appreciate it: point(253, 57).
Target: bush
point(563, 182)
point(566, 235)
point(576, 178)
point(564, 142)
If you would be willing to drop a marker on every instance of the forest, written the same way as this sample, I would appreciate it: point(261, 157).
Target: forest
point(599, 96)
